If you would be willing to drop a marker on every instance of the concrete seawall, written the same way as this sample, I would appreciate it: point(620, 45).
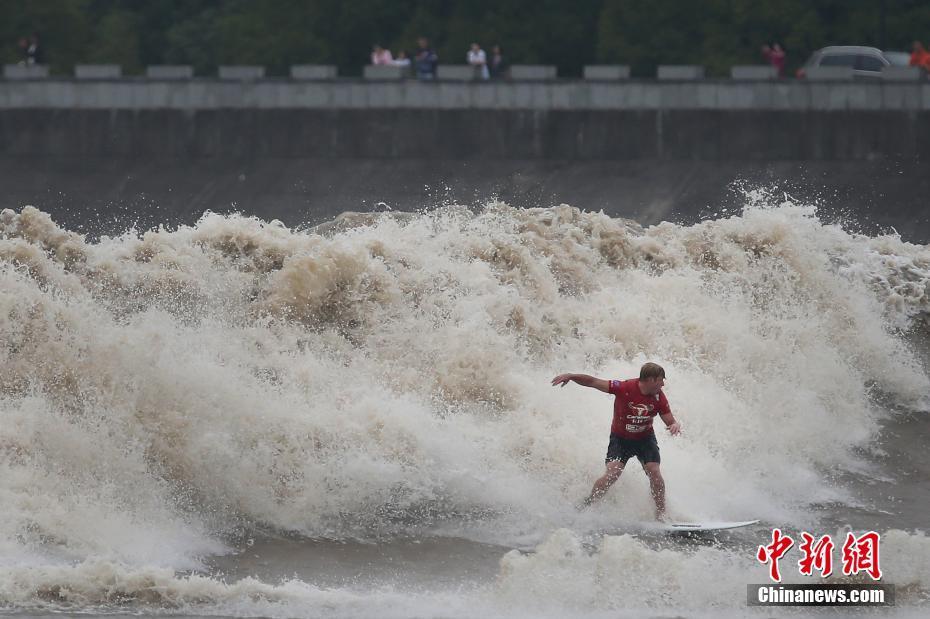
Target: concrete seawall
point(410, 94)
point(101, 154)
point(619, 135)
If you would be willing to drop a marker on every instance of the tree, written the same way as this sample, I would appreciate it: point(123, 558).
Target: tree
point(279, 33)
point(62, 26)
point(116, 41)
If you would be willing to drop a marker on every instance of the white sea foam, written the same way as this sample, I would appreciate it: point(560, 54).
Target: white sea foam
point(622, 577)
point(624, 574)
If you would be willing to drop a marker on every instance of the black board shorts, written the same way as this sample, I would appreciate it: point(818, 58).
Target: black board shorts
point(622, 449)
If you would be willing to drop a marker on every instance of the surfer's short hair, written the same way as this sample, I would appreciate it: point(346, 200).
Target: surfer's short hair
point(651, 370)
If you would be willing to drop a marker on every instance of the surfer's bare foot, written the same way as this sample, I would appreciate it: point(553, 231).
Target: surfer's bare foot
point(661, 517)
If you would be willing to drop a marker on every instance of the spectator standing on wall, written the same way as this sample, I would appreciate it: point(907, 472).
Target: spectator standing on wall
point(478, 59)
point(379, 55)
point(23, 45)
point(426, 60)
point(34, 51)
point(775, 56)
point(401, 60)
point(496, 67)
point(920, 57)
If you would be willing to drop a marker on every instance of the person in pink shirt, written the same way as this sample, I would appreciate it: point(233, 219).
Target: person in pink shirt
point(775, 55)
point(379, 55)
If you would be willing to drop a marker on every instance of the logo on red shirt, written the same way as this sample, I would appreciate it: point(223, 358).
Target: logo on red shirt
point(633, 411)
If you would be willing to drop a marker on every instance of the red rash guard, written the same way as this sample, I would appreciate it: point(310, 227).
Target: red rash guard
point(633, 411)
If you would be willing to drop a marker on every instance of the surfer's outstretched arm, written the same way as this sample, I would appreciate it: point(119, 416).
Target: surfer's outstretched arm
point(584, 380)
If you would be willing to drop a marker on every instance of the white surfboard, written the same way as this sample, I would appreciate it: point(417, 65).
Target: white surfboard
point(698, 527)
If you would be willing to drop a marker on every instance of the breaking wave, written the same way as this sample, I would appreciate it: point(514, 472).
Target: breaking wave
point(165, 394)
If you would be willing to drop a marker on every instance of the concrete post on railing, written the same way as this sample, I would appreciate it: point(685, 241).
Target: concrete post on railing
point(25, 71)
point(606, 72)
point(241, 73)
point(385, 72)
point(753, 72)
point(98, 71)
point(680, 72)
point(829, 74)
point(457, 72)
point(169, 72)
point(533, 72)
point(314, 72)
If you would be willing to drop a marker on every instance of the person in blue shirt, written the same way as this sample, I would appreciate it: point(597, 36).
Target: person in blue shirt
point(426, 60)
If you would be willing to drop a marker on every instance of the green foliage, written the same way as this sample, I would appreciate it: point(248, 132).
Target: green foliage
point(279, 33)
point(117, 41)
point(66, 22)
point(191, 41)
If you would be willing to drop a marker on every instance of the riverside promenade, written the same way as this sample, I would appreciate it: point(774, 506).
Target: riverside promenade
point(901, 92)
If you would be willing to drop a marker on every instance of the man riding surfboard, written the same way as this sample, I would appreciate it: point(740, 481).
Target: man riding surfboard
point(636, 403)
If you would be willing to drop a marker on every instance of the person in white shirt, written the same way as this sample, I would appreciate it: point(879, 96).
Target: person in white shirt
point(478, 59)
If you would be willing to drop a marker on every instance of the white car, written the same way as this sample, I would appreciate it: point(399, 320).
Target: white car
point(866, 62)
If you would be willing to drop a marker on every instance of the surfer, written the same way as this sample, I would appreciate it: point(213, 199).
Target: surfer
point(636, 403)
